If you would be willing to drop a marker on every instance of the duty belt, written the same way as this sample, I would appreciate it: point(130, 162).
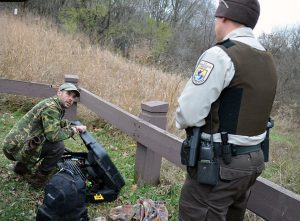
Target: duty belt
point(237, 149)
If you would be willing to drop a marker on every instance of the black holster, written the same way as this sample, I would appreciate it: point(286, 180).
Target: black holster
point(266, 143)
point(190, 147)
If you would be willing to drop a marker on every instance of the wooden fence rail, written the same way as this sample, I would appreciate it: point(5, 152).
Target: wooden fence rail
point(267, 199)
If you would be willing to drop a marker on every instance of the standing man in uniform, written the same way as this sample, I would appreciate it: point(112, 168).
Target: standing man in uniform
point(231, 93)
point(39, 135)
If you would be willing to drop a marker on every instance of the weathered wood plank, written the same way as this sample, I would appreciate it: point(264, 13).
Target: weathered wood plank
point(110, 112)
point(273, 202)
point(13, 0)
point(147, 162)
point(161, 141)
point(26, 88)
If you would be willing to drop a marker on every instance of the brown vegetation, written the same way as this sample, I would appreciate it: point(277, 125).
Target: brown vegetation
point(34, 50)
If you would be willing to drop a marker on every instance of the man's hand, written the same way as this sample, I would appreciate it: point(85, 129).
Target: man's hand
point(79, 129)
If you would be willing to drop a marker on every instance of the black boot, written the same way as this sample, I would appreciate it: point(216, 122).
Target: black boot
point(38, 180)
point(21, 169)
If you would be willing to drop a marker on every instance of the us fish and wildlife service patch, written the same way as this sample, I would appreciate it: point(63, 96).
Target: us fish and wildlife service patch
point(202, 72)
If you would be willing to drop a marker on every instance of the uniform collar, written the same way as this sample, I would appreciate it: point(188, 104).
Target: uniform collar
point(240, 32)
point(246, 36)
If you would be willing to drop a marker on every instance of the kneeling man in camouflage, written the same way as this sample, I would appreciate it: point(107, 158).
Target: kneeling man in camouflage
point(38, 136)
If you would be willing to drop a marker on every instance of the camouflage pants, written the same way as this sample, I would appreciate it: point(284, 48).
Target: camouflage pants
point(50, 155)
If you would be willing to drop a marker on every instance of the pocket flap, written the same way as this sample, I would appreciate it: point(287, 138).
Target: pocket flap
point(231, 174)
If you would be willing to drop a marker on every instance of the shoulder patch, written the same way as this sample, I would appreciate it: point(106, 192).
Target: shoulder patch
point(202, 72)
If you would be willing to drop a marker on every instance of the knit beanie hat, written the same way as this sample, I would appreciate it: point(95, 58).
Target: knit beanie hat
point(245, 12)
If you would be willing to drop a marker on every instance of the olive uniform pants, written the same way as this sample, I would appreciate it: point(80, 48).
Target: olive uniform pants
point(227, 200)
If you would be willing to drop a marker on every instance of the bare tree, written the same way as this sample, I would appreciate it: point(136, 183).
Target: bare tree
point(284, 44)
point(193, 33)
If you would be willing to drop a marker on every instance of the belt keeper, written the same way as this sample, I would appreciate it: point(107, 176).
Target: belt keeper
point(226, 148)
point(233, 150)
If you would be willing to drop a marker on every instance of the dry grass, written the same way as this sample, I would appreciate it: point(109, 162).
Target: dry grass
point(34, 50)
point(287, 118)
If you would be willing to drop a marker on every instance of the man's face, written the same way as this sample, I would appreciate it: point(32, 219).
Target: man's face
point(66, 98)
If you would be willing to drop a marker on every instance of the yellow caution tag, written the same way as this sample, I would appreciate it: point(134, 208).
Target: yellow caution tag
point(98, 197)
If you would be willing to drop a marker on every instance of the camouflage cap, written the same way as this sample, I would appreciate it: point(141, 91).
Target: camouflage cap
point(69, 87)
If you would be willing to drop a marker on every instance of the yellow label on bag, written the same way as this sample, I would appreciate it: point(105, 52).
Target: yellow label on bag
point(98, 197)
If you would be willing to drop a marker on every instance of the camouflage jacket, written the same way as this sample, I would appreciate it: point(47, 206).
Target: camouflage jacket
point(43, 123)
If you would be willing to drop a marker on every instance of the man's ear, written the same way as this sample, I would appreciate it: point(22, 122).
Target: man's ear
point(223, 19)
point(58, 93)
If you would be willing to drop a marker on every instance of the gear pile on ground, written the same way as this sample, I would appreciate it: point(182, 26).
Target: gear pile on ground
point(144, 210)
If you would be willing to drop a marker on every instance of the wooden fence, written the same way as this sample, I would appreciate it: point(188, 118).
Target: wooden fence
point(268, 200)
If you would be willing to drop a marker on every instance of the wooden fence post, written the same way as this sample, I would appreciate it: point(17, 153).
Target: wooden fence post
point(147, 162)
point(71, 113)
